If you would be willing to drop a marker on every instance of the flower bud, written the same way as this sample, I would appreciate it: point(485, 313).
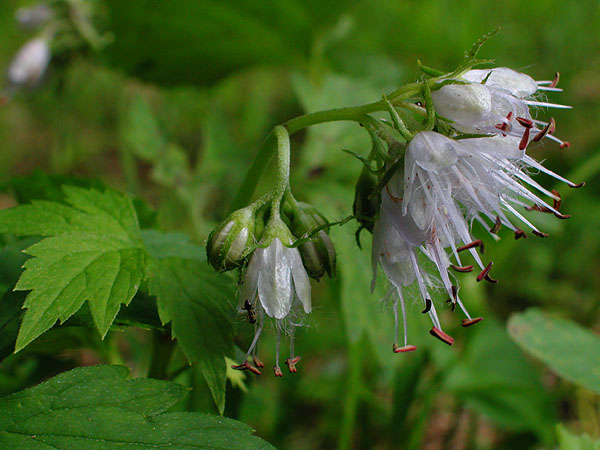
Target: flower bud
point(229, 243)
point(318, 254)
point(463, 103)
point(30, 62)
point(366, 199)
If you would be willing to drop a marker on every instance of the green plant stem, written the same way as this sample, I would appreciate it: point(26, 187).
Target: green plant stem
point(352, 113)
point(352, 395)
point(162, 349)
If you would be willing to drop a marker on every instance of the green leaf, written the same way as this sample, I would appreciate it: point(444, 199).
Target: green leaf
point(96, 408)
point(140, 131)
point(570, 441)
point(197, 302)
point(567, 348)
point(93, 252)
point(494, 376)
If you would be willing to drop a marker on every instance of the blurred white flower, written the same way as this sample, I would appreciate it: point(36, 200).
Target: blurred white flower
point(30, 63)
point(34, 16)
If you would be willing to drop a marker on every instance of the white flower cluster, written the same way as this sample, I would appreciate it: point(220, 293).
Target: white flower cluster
point(427, 209)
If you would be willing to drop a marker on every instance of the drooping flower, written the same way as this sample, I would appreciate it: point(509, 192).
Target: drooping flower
point(497, 101)
point(429, 208)
point(30, 63)
point(275, 284)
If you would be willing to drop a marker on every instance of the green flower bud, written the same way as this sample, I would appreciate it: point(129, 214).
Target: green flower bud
point(366, 199)
point(230, 242)
point(318, 253)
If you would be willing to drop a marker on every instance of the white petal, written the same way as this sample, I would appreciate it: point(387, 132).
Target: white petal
point(517, 83)
point(300, 277)
point(431, 151)
point(249, 287)
point(275, 281)
point(462, 103)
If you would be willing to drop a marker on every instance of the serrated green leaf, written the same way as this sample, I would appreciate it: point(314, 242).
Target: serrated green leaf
point(567, 348)
point(197, 302)
point(96, 408)
point(93, 252)
point(570, 441)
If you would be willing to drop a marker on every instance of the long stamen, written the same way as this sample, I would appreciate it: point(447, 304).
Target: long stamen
point(406, 348)
point(276, 368)
point(292, 360)
point(533, 163)
point(547, 105)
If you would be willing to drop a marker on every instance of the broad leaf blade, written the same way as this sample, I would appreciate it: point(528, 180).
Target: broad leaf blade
point(96, 408)
point(93, 252)
point(197, 303)
point(567, 348)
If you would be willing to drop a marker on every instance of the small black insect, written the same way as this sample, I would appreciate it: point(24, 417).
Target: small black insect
point(250, 311)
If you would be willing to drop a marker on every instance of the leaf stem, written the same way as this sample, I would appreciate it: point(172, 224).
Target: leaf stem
point(162, 349)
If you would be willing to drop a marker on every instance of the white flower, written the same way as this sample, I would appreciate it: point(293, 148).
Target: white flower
point(30, 63)
point(34, 16)
point(497, 101)
point(277, 276)
point(274, 282)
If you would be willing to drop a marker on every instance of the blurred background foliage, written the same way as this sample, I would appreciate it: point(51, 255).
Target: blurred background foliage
point(174, 110)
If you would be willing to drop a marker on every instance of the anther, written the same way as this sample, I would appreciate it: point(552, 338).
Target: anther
point(527, 123)
point(520, 234)
point(427, 306)
point(291, 363)
point(548, 129)
point(470, 245)
point(452, 304)
point(454, 291)
point(468, 322)
point(258, 363)
point(277, 371)
point(462, 269)
point(247, 366)
point(524, 140)
point(490, 279)
point(436, 332)
point(497, 225)
point(538, 208)
point(576, 186)
point(406, 348)
point(555, 81)
point(540, 233)
point(565, 144)
point(484, 273)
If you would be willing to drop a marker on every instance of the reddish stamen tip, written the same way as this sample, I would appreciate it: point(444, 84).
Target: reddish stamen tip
point(497, 226)
point(484, 273)
point(565, 144)
point(563, 216)
point(527, 123)
point(476, 243)
point(291, 363)
point(436, 332)
point(405, 349)
point(277, 371)
point(538, 208)
point(427, 306)
point(557, 201)
point(540, 233)
point(524, 140)
point(247, 366)
point(258, 363)
point(490, 279)
point(555, 81)
point(468, 322)
point(462, 269)
point(520, 234)
point(576, 186)
point(454, 291)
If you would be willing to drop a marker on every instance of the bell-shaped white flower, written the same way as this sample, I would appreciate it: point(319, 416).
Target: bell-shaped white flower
point(275, 282)
point(30, 63)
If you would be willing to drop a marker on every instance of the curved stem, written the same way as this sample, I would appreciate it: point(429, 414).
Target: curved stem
point(352, 113)
point(283, 167)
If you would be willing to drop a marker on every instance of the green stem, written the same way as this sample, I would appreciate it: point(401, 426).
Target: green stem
point(283, 167)
point(351, 113)
point(162, 349)
point(352, 395)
